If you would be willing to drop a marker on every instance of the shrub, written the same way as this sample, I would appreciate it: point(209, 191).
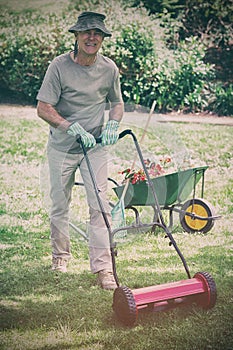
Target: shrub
point(26, 52)
point(158, 6)
point(191, 77)
point(221, 101)
point(181, 83)
point(133, 52)
point(176, 79)
point(211, 22)
point(27, 47)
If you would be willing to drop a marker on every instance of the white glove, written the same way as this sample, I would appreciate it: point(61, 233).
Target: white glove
point(87, 138)
point(110, 135)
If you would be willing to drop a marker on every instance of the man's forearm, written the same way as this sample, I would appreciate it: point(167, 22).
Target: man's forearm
point(48, 113)
point(116, 111)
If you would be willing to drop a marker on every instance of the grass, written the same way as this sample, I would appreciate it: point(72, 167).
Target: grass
point(44, 311)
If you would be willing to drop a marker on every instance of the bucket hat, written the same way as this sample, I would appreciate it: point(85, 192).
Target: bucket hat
point(90, 20)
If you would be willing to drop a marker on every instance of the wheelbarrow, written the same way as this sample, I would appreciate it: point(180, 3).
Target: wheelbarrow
point(127, 303)
point(172, 190)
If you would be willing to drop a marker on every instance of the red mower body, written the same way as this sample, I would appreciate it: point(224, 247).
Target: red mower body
point(200, 289)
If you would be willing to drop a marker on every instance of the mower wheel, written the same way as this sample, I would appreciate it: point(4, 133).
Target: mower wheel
point(208, 299)
point(199, 207)
point(124, 306)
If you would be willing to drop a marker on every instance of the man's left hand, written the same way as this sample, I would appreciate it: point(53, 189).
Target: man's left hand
point(110, 135)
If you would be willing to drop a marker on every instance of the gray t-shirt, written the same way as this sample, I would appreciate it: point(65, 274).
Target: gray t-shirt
point(79, 93)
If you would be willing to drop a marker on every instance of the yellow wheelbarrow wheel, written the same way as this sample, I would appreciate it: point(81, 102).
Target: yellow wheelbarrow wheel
point(201, 208)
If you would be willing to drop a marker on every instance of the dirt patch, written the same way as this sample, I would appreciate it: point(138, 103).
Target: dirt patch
point(29, 112)
point(17, 111)
point(179, 118)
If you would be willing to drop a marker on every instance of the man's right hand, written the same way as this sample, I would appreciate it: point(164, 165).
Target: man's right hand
point(76, 129)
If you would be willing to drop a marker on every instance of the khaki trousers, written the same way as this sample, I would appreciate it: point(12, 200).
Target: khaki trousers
point(62, 168)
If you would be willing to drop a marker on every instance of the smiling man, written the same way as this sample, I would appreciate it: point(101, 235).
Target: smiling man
point(72, 100)
point(89, 42)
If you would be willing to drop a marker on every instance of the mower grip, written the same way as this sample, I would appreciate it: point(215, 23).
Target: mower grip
point(121, 135)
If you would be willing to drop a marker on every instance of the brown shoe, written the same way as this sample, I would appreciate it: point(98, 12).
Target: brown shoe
point(59, 264)
point(106, 280)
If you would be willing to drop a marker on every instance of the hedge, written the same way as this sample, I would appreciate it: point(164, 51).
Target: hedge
point(177, 79)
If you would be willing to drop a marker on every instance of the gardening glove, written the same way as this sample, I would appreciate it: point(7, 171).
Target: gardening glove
point(110, 135)
point(87, 138)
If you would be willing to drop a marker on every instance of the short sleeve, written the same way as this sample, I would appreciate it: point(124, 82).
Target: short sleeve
point(114, 94)
point(50, 90)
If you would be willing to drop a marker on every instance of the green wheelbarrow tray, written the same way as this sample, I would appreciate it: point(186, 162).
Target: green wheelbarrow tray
point(170, 189)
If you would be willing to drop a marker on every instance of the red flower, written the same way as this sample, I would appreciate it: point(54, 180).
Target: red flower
point(153, 169)
point(168, 160)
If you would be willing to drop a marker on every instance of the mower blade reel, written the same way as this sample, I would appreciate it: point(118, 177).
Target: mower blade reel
point(200, 289)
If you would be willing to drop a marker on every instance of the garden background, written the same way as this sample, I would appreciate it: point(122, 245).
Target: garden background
point(176, 52)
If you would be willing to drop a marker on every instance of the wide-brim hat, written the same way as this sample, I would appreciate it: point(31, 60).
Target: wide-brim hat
point(90, 20)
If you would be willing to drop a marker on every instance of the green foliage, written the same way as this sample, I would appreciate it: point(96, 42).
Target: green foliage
point(221, 58)
point(191, 77)
point(181, 84)
point(158, 6)
point(222, 99)
point(212, 20)
point(176, 77)
point(133, 52)
point(26, 49)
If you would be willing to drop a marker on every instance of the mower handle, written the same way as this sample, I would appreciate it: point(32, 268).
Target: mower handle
point(121, 135)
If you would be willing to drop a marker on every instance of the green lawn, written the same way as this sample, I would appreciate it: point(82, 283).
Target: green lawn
point(42, 310)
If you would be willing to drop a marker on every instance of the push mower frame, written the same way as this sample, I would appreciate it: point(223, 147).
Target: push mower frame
point(126, 302)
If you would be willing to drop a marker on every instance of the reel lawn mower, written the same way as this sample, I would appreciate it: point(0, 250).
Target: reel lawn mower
point(128, 303)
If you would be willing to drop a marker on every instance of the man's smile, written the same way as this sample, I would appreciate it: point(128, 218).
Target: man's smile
point(91, 44)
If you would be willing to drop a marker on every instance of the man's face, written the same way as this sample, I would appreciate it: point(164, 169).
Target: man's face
point(90, 41)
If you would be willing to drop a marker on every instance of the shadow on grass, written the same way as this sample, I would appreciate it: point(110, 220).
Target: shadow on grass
point(35, 297)
point(40, 298)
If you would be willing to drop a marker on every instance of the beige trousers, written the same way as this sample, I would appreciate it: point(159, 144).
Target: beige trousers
point(62, 168)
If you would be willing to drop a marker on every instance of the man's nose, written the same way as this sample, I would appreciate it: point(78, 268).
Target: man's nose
point(91, 34)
